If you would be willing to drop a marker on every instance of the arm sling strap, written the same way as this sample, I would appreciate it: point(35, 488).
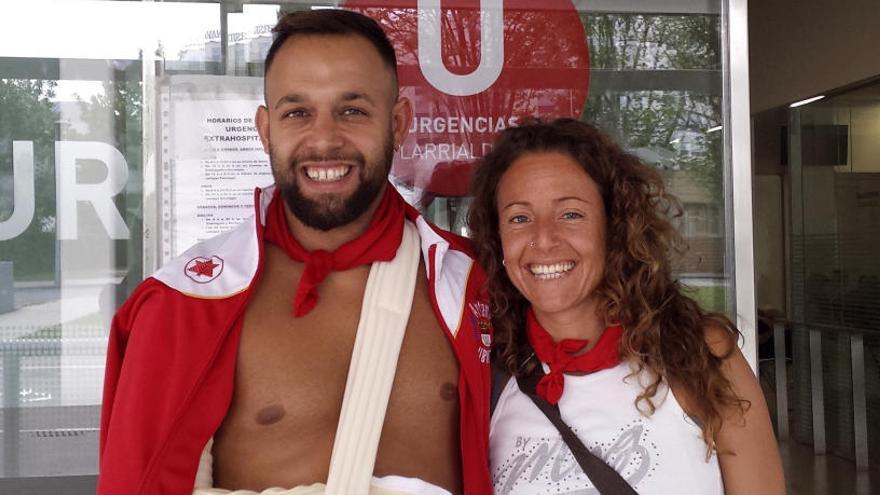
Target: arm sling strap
point(384, 314)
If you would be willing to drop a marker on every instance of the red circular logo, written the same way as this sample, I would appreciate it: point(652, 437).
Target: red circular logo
point(474, 68)
point(203, 270)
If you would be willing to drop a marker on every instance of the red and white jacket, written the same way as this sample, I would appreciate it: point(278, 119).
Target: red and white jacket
point(173, 344)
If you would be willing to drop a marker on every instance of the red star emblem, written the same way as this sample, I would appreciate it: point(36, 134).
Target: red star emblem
point(205, 268)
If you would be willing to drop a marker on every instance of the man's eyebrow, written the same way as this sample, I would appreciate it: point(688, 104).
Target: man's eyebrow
point(346, 97)
point(289, 98)
point(357, 95)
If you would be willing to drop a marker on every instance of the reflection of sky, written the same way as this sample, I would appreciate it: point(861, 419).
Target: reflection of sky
point(69, 90)
point(90, 29)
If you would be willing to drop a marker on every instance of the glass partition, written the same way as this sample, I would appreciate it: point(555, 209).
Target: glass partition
point(835, 273)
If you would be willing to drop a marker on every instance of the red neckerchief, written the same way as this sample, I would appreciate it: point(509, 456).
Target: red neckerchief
point(378, 243)
point(560, 357)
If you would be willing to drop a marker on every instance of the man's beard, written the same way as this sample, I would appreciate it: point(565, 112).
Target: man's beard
point(328, 212)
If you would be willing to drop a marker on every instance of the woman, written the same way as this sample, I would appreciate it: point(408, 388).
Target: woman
point(575, 238)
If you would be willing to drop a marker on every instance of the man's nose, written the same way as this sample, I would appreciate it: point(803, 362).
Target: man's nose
point(325, 136)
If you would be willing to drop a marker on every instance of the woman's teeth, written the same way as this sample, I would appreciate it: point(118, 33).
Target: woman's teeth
point(551, 271)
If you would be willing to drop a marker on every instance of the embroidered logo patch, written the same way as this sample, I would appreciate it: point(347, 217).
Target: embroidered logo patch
point(203, 270)
point(481, 323)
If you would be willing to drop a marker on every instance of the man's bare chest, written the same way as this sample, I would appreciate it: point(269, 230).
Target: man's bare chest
point(292, 371)
point(290, 378)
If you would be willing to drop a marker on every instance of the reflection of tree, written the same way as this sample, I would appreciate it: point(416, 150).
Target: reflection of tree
point(652, 42)
point(121, 101)
point(27, 114)
point(664, 120)
point(115, 117)
point(668, 125)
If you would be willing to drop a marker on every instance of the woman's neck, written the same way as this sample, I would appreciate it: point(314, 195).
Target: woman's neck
point(581, 323)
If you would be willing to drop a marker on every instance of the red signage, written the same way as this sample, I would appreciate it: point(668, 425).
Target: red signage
point(473, 68)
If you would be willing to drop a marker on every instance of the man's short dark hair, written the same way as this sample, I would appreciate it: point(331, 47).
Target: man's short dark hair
point(332, 22)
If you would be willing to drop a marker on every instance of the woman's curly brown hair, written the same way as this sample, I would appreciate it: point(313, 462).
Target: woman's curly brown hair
point(664, 329)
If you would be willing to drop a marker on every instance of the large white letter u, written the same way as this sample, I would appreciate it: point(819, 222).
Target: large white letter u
point(491, 49)
point(22, 191)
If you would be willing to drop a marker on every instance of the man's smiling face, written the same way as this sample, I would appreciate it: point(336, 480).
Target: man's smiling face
point(330, 126)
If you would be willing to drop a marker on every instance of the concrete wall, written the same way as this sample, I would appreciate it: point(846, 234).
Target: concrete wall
point(800, 48)
point(864, 133)
point(769, 243)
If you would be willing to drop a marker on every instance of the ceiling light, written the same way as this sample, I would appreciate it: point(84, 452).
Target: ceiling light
point(808, 100)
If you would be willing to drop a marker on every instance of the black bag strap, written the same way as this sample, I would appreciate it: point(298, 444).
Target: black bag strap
point(604, 477)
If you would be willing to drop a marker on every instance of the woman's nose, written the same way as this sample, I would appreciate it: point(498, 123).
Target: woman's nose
point(546, 235)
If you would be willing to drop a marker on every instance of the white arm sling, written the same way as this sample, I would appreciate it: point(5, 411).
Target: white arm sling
point(384, 314)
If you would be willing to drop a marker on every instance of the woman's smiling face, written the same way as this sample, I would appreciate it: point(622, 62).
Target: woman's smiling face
point(551, 219)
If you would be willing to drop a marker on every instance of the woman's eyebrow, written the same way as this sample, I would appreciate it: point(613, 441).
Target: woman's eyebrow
point(515, 203)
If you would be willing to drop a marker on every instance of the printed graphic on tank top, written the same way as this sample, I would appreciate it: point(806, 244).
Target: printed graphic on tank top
point(657, 454)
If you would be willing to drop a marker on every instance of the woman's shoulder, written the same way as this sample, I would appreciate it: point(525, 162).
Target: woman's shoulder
point(721, 340)
point(721, 337)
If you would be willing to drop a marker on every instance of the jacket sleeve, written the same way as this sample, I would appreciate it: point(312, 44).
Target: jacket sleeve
point(115, 353)
point(169, 381)
point(120, 330)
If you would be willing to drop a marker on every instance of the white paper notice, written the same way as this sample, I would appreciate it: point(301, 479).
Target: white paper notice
point(218, 162)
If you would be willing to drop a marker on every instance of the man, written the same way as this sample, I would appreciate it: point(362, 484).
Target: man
point(240, 349)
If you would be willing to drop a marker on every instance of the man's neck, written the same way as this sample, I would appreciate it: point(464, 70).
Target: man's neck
point(329, 240)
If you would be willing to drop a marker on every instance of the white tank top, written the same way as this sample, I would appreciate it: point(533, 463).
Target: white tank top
point(658, 454)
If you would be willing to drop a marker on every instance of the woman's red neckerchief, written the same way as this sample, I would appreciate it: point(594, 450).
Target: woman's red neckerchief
point(378, 243)
point(561, 356)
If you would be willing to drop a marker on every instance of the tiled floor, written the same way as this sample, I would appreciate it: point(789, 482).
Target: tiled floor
point(809, 474)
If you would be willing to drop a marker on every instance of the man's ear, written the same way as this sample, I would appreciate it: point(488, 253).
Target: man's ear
point(401, 120)
point(262, 120)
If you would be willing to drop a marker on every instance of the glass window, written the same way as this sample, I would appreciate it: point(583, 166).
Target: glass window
point(656, 85)
point(74, 138)
point(125, 136)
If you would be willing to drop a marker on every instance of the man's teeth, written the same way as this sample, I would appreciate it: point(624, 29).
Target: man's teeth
point(324, 174)
point(551, 271)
